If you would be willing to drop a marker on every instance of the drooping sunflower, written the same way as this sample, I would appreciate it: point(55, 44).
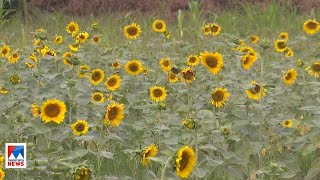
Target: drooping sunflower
point(96, 39)
point(132, 31)
point(256, 92)
point(172, 77)
point(290, 77)
point(188, 75)
point(159, 26)
point(165, 64)
point(2, 174)
point(280, 45)
point(74, 47)
point(97, 76)
point(72, 28)
point(254, 39)
point(158, 93)
point(35, 110)
point(14, 58)
point(80, 127)
point(215, 29)
point(113, 82)
point(4, 91)
point(284, 36)
point(185, 161)
point(67, 58)
point(193, 60)
point(53, 110)
point(150, 151)
point(97, 97)
point(134, 67)
point(82, 37)
point(58, 40)
point(314, 69)
point(114, 114)
point(288, 52)
point(212, 61)
point(311, 26)
point(219, 97)
point(247, 61)
point(83, 70)
point(116, 65)
point(51, 52)
point(287, 123)
point(5, 51)
point(206, 29)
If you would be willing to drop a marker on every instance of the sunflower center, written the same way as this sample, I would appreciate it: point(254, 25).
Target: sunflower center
point(58, 39)
point(172, 76)
point(288, 76)
point(283, 36)
point(206, 29)
point(311, 25)
point(147, 154)
point(116, 64)
point(112, 113)
point(184, 161)
point(166, 63)
point(192, 59)
point(133, 67)
point(15, 55)
point(82, 36)
point(256, 88)
point(286, 123)
point(217, 96)
point(246, 60)
point(316, 67)
point(132, 31)
point(52, 110)
point(159, 25)
point(214, 28)
point(188, 75)
point(4, 51)
point(157, 93)
point(97, 97)
point(281, 45)
point(96, 39)
point(211, 61)
point(72, 28)
point(112, 82)
point(79, 127)
point(96, 76)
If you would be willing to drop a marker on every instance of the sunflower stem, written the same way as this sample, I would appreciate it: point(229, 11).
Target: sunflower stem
point(163, 172)
point(159, 136)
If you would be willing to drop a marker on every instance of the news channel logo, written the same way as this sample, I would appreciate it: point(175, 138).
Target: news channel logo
point(16, 155)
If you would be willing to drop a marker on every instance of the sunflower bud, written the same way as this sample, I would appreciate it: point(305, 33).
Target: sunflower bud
point(75, 61)
point(14, 79)
point(82, 172)
point(162, 105)
point(264, 152)
point(265, 44)
point(225, 130)
point(94, 26)
point(71, 83)
point(300, 63)
point(188, 123)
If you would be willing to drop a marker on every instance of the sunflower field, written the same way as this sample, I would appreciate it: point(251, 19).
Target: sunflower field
point(230, 96)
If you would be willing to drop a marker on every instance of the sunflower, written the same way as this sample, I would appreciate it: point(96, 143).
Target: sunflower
point(185, 161)
point(58, 40)
point(1, 161)
point(53, 110)
point(188, 123)
point(159, 26)
point(287, 123)
point(29, 64)
point(165, 64)
point(82, 173)
point(72, 28)
point(215, 29)
point(314, 69)
point(288, 52)
point(52, 53)
point(188, 75)
point(4, 91)
point(5, 51)
point(83, 70)
point(80, 127)
point(96, 39)
point(219, 97)
point(206, 29)
point(280, 45)
point(114, 114)
point(247, 61)
point(14, 58)
point(116, 65)
point(35, 110)
point(2, 174)
point(132, 31)
point(74, 47)
point(311, 26)
point(254, 39)
point(145, 71)
point(172, 77)
point(290, 77)
point(299, 63)
point(212, 61)
point(248, 50)
point(67, 58)
point(193, 60)
point(256, 92)
point(158, 93)
point(97, 97)
point(33, 57)
point(36, 42)
point(113, 82)
point(82, 37)
point(150, 151)
point(284, 36)
point(97, 75)
point(134, 67)
point(14, 79)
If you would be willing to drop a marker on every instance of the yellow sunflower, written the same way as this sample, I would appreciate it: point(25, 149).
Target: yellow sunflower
point(145, 71)
point(36, 42)
point(206, 29)
point(58, 40)
point(158, 93)
point(80, 127)
point(311, 26)
point(188, 123)
point(288, 52)
point(83, 70)
point(256, 92)
point(53, 110)
point(165, 64)
point(172, 77)
point(72, 28)
point(290, 77)
point(215, 29)
point(219, 97)
point(114, 114)
point(33, 57)
point(248, 50)
point(97, 97)
point(150, 151)
point(193, 60)
point(52, 53)
point(97, 75)
point(67, 58)
point(185, 161)
point(247, 61)
point(2, 174)
point(113, 82)
point(254, 39)
point(74, 47)
point(82, 37)
point(314, 69)
point(96, 39)
point(4, 91)
point(280, 45)
point(159, 26)
point(134, 67)
point(188, 75)
point(284, 36)
point(35, 110)
point(14, 58)
point(29, 64)
point(132, 31)
point(287, 123)
point(116, 65)
point(5, 51)
point(1, 161)
point(82, 173)
point(212, 61)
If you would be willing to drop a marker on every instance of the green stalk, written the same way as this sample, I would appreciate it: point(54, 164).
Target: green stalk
point(163, 172)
